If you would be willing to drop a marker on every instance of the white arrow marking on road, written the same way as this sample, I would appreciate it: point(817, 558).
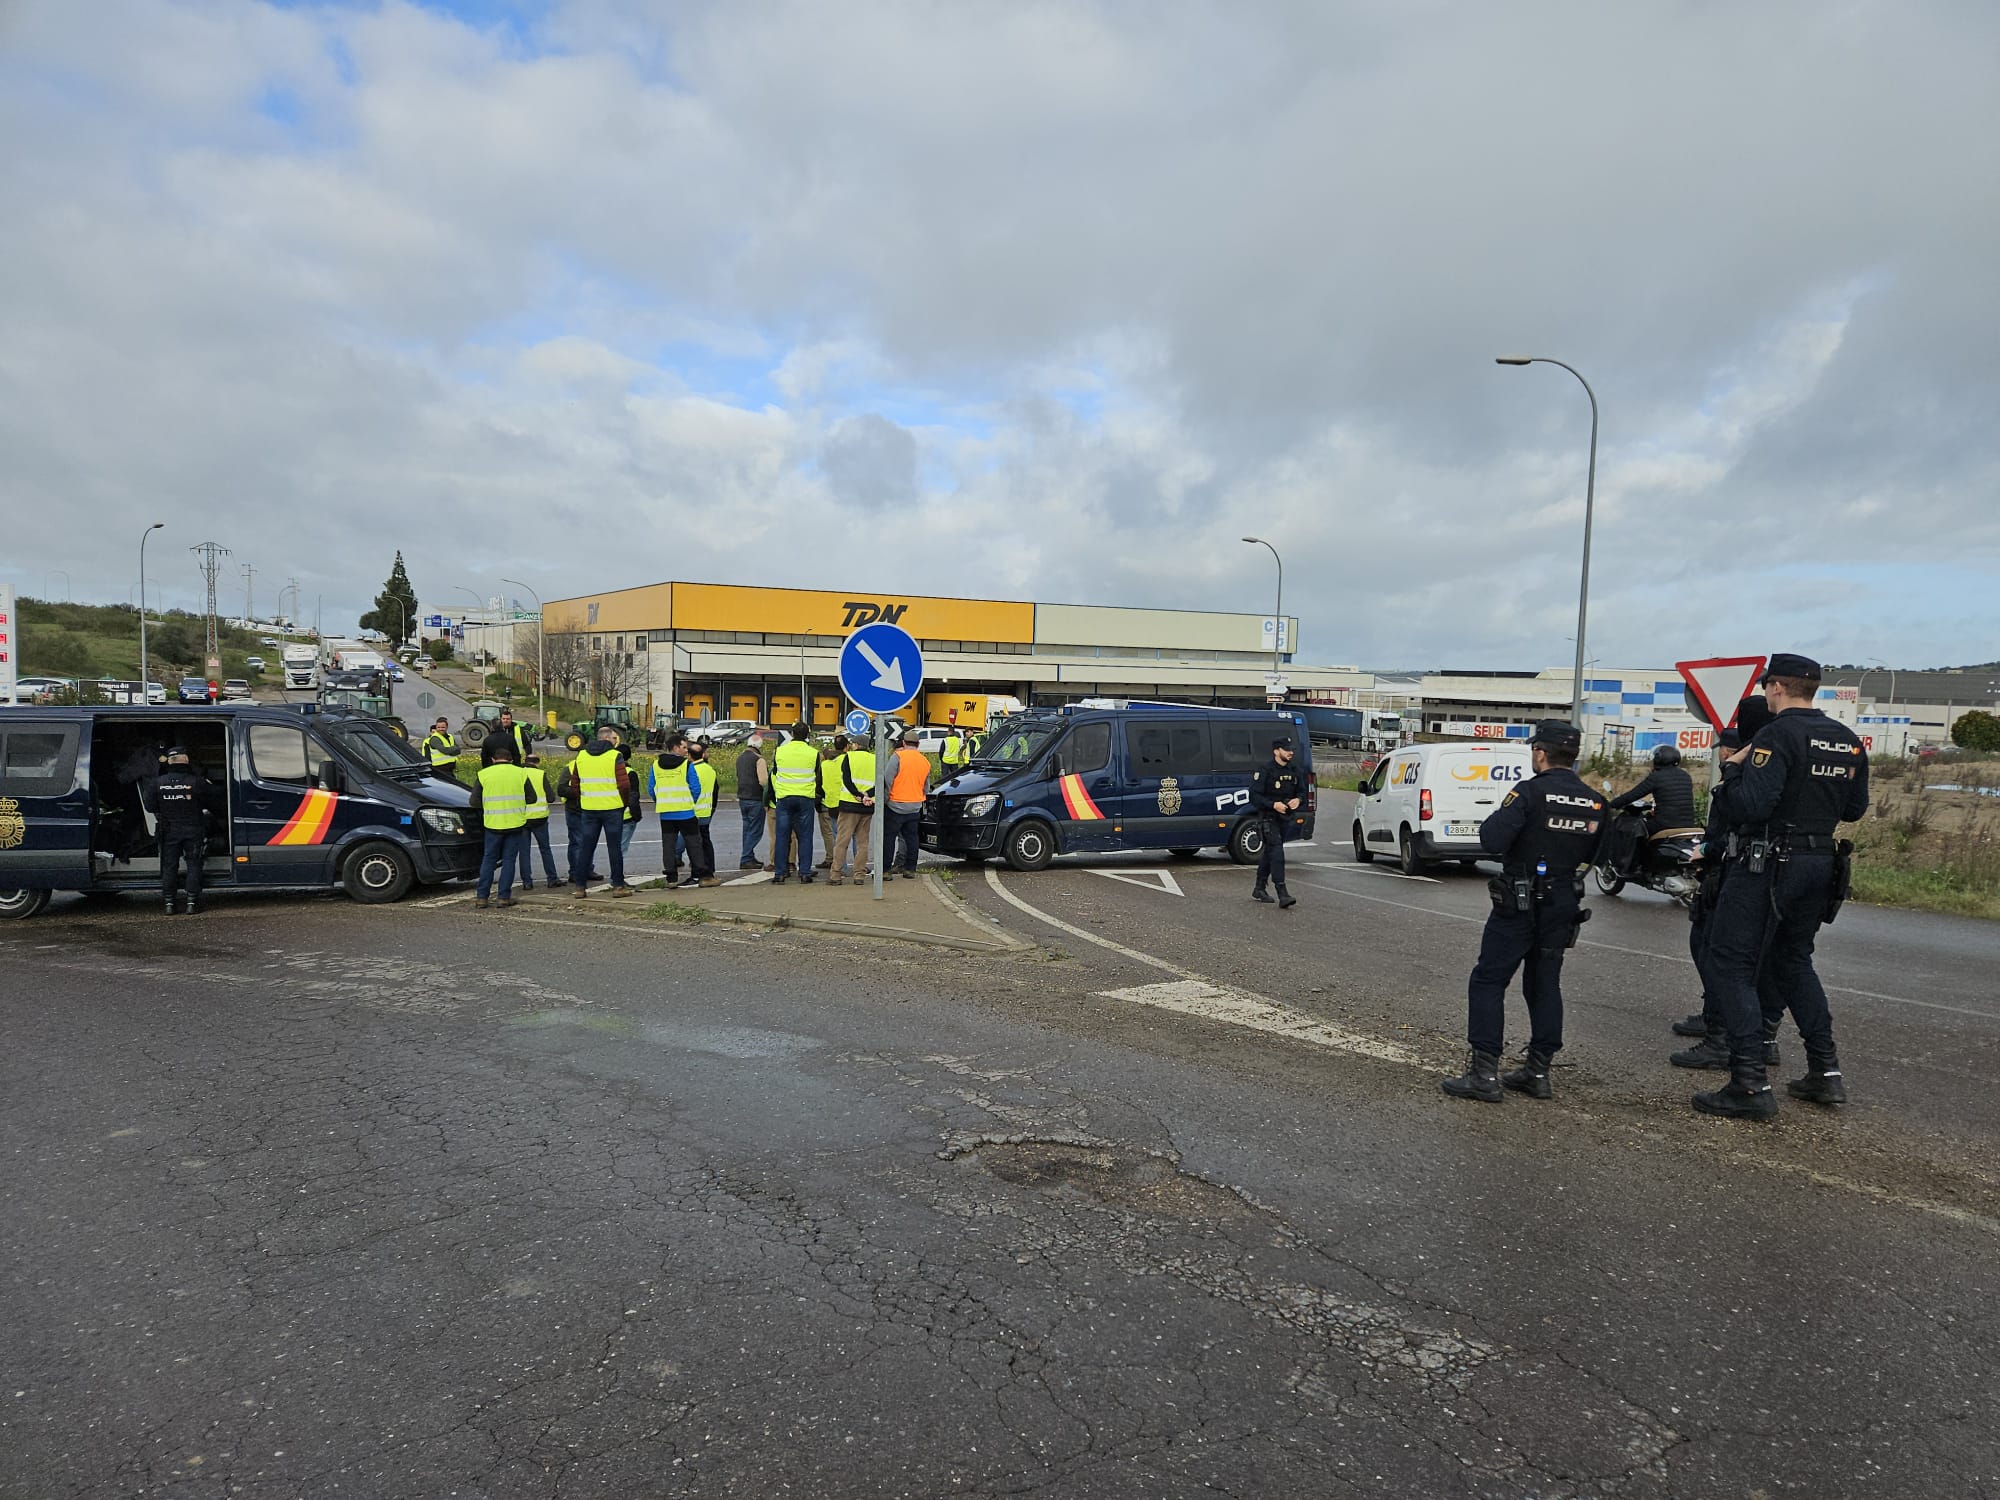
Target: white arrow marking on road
point(1151, 880)
point(890, 673)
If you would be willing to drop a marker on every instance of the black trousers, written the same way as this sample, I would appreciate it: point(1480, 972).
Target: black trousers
point(1760, 951)
point(1271, 863)
point(174, 848)
point(1534, 944)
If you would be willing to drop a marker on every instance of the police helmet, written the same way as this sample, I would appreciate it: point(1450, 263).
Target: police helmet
point(1666, 755)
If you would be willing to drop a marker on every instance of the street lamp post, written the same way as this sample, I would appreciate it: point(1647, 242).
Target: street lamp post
point(1278, 621)
point(1892, 676)
point(1589, 506)
point(541, 656)
point(145, 673)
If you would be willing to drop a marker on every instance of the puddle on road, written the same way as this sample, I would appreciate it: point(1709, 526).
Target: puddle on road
point(747, 1042)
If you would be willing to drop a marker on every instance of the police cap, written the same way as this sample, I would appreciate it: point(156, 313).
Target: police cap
point(1791, 664)
point(1557, 734)
point(1281, 743)
point(174, 752)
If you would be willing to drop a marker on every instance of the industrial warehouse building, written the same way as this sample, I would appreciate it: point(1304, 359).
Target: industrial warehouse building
point(729, 651)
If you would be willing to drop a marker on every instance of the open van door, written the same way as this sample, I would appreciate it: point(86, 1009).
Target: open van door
point(45, 816)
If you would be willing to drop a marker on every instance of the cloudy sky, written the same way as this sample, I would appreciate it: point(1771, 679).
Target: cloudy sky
point(1035, 300)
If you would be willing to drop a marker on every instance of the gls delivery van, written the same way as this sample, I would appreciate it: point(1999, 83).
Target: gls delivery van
point(316, 798)
point(1144, 776)
point(1425, 803)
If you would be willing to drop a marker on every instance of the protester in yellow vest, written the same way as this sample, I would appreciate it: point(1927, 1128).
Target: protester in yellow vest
point(537, 832)
point(603, 783)
point(795, 784)
point(829, 795)
point(951, 754)
point(857, 808)
point(443, 750)
point(501, 798)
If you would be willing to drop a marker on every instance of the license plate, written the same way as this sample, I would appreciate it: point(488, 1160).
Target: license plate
point(1461, 830)
point(930, 840)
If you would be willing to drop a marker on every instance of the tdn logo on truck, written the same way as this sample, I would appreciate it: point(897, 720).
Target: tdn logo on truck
point(862, 612)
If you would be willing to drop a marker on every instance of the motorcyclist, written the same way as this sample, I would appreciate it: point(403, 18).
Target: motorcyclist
point(1671, 789)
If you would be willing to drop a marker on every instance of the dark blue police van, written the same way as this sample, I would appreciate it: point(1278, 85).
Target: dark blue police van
point(316, 798)
point(1138, 776)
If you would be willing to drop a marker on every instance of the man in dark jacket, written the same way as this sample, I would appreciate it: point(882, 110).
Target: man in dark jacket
point(1671, 789)
point(506, 732)
point(183, 800)
point(1277, 791)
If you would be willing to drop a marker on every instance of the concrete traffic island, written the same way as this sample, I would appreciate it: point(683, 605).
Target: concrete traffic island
point(912, 911)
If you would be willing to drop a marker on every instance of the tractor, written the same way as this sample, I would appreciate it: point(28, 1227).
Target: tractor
point(619, 716)
point(375, 705)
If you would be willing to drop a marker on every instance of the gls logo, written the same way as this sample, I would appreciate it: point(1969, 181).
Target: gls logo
point(861, 612)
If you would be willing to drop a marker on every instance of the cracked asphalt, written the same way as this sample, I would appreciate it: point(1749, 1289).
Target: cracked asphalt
point(309, 1199)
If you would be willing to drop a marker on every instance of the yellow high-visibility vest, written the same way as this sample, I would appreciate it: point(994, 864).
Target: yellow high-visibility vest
point(704, 800)
point(672, 790)
point(539, 780)
point(830, 789)
point(597, 781)
point(796, 771)
point(861, 771)
point(442, 747)
point(503, 796)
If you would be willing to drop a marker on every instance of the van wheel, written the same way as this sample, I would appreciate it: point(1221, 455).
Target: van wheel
point(1407, 857)
point(1363, 855)
point(376, 874)
point(1246, 844)
point(22, 903)
point(1184, 853)
point(1030, 846)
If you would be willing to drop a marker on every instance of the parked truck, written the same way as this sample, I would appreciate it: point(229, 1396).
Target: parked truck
point(1371, 730)
point(302, 666)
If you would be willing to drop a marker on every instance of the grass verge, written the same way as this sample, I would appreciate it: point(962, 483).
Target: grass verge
point(675, 911)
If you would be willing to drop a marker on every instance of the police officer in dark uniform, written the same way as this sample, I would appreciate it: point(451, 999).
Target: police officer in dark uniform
point(1277, 791)
point(1712, 1051)
point(1545, 833)
point(1784, 874)
point(183, 799)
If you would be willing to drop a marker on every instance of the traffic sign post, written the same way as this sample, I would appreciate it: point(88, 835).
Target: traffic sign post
point(881, 669)
point(857, 722)
point(1719, 684)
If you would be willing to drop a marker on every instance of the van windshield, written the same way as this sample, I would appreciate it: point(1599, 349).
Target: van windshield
point(1016, 746)
point(374, 747)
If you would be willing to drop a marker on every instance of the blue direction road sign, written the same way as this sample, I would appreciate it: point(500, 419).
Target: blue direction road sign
point(881, 668)
point(857, 722)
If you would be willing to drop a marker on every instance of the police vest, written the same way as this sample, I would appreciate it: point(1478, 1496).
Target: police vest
point(539, 780)
point(796, 767)
point(861, 771)
point(673, 790)
point(503, 796)
point(443, 749)
point(597, 781)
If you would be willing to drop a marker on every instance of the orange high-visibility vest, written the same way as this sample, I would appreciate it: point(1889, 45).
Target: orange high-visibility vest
point(913, 773)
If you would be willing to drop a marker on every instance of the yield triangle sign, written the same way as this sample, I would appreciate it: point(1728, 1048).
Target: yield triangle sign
point(1720, 684)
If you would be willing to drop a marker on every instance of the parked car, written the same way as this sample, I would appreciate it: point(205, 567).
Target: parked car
point(236, 687)
point(193, 690)
point(254, 663)
point(723, 731)
point(269, 640)
point(156, 692)
point(42, 689)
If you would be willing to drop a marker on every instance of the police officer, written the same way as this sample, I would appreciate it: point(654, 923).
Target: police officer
point(1784, 874)
point(1276, 792)
point(442, 749)
point(183, 799)
point(1545, 833)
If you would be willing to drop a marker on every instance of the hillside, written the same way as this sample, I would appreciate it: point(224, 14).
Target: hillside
point(97, 640)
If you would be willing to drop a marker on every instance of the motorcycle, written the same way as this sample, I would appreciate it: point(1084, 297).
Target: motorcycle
point(1668, 862)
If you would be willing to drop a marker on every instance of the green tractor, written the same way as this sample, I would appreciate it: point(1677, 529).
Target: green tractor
point(485, 716)
point(622, 717)
point(374, 705)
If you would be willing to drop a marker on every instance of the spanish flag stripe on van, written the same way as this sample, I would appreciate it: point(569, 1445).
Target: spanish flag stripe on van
point(1078, 801)
point(310, 822)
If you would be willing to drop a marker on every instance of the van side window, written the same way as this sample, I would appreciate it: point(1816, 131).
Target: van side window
point(1236, 746)
point(1089, 749)
point(1166, 748)
point(279, 754)
point(37, 762)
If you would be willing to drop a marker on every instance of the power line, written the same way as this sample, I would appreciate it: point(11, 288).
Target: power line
point(249, 577)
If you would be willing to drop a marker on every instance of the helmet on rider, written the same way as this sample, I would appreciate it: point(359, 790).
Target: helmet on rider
point(1666, 755)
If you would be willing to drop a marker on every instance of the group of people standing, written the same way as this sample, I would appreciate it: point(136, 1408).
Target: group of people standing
point(1774, 871)
point(832, 790)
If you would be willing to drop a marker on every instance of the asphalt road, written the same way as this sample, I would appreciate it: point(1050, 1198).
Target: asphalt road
point(313, 1199)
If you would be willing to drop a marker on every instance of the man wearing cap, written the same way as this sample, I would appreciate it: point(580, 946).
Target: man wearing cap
point(183, 800)
point(1712, 1051)
point(1801, 777)
point(1277, 793)
point(1545, 833)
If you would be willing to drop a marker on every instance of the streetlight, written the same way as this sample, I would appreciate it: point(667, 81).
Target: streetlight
point(541, 658)
point(1277, 624)
point(65, 578)
point(1589, 505)
point(145, 673)
point(1885, 667)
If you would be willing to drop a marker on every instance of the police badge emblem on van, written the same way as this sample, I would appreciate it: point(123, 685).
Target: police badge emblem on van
point(1170, 796)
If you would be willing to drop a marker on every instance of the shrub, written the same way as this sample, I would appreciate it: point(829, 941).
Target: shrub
point(1976, 729)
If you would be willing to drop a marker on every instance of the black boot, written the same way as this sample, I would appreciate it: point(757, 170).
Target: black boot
point(1481, 1080)
point(1692, 1025)
point(172, 909)
point(1712, 1051)
point(1286, 898)
point(1260, 894)
point(1531, 1078)
point(1747, 1095)
point(1822, 1083)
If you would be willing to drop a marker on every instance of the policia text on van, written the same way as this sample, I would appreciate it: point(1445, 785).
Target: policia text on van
point(312, 799)
point(1145, 776)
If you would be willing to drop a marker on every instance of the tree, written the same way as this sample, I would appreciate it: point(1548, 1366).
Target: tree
point(1976, 729)
point(395, 611)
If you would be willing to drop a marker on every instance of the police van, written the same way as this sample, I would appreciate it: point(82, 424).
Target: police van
point(1086, 779)
point(317, 799)
point(1424, 803)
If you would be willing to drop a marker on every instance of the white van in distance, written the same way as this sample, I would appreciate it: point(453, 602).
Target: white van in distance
point(1425, 802)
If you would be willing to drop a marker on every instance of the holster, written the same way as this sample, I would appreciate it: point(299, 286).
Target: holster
point(1843, 879)
point(1513, 895)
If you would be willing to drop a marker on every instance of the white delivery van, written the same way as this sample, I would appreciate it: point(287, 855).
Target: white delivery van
point(1425, 803)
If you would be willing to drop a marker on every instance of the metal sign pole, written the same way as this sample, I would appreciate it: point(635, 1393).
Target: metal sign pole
point(881, 809)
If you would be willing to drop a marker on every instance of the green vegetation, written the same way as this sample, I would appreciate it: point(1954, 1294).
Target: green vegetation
point(1976, 730)
point(88, 641)
point(1930, 850)
point(674, 911)
point(395, 611)
point(438, 650)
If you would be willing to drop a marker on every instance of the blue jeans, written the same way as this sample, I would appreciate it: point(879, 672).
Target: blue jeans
point(504, 848)
point(901, 832)
point(796, 819)
point(537, 833)
point(605, 823)
point(626, 834)
point(753, 827)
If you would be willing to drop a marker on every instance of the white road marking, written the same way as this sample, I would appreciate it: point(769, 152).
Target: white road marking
point(1217, 1002)
point(1151, 880)
point(436, 901)
point(760, 877)
point(1354, 869)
